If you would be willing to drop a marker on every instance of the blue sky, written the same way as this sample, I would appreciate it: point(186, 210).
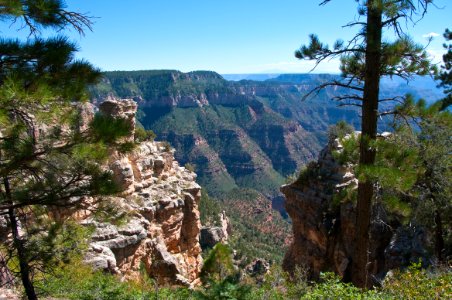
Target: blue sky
point(227, 36)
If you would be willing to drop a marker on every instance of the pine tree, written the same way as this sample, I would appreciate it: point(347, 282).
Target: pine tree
point(445, 75)
point(434, 188)
point(46, 159)
point(364, 60)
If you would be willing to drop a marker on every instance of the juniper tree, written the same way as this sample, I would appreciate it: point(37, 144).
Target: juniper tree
point(364, 60)
point(46, 159)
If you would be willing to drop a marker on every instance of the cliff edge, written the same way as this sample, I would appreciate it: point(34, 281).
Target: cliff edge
point(160, 225)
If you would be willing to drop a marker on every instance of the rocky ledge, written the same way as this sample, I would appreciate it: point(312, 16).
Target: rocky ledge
point(323, 224)
point(160, 226)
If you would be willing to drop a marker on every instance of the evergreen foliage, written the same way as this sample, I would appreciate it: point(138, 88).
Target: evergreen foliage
point(412, 169)
point(339, 130)
point(218, 265)
point(431, 196)
point(364, 60)
point(445, 74)
point(40, 14)
point(76, 281)
point(209, 210)
point(48, 160)
point(142, 134)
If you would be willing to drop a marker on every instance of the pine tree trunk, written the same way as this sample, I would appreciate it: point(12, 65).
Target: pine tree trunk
point(439, 240)
point(367, 155)
point(18, 244)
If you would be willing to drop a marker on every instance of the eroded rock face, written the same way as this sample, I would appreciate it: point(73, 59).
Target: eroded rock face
point(324, 228)
point(159, 201)
point(212, 235)
point(125, 109)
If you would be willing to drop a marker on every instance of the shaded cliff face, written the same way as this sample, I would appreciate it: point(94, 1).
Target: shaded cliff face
point(323, 213)
point(159, 203)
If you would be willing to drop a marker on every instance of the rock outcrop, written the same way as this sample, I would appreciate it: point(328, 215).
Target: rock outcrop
point(258, 267)
point(323, 223)
point(159, 226)
point(211, 235)
point(125, 109)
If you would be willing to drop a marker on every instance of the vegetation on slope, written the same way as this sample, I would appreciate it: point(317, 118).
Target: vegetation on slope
point(79, 282)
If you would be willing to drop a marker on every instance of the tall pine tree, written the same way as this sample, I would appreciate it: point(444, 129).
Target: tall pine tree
point(364, 60)
point(46, 159)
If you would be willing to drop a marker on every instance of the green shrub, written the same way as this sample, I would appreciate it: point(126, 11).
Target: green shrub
point(218, 264)
point(413, 283)
point(142, 134)
point(331, 287)
point(417, 283)
point(209, 210)
point(341, 129)
point(228, 288)
point(109, 129)
point(78, 281)
point(307, 173)
point(350, 151)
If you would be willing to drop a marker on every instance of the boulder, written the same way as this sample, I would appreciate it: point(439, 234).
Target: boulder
point(210, 236)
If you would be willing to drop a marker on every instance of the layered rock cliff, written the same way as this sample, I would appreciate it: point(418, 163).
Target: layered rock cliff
point(159, 226)
point(238, 134)
point(322, 208)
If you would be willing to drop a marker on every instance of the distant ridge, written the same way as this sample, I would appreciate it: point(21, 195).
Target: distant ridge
point(420, 86)
point(255, 77)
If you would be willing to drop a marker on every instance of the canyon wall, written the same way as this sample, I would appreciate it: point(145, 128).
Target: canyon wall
point(159, 226)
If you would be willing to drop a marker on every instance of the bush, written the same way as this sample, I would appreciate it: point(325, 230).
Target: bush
point(350, 151)
point(218, 264)
point(142, 134)
point(339, 130)
point(307, 173)
point(417, 283)
point(413, 283)
point(331, 287)
point(209, 209)
point(228, 288)
point(78, 281)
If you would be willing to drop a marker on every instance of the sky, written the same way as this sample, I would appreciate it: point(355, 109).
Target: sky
point(226, 36)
